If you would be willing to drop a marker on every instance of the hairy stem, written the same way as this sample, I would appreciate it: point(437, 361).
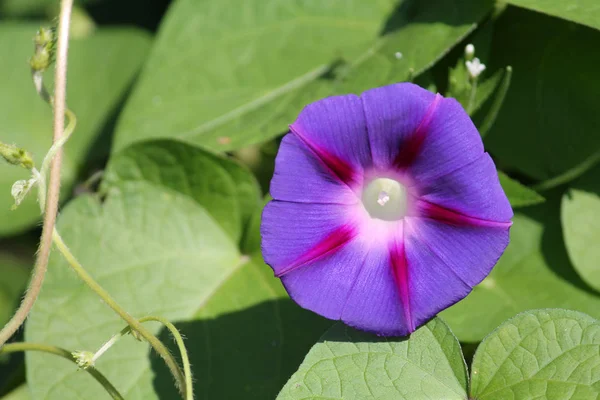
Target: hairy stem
point(18, 347)
point(187, 368)
point(41, 264)
point(185, 359)
point(134, 324)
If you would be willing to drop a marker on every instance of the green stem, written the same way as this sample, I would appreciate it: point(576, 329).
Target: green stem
point(18, 347)
point(471, 104)
point(187, 367)
point(51, 205)
point(569, 175)
point(134, 324)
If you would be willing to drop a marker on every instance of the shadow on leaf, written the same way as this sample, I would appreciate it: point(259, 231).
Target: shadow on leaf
point(244, 355)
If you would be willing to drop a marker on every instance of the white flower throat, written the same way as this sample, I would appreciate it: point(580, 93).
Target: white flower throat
point(385, 199)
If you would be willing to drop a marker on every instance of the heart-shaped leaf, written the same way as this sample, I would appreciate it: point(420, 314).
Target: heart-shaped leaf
point(153, 245)
point(352, 365)
point(541, 354)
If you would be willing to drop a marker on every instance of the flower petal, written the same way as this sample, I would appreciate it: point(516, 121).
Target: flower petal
point(295, 235)
point(300, 176)
point(324, 285)
point(394, 114)
point(446, 261)
point(335, 130)
point(451, 142)
point(378, 301)
point(416, 130)
point(473, 190)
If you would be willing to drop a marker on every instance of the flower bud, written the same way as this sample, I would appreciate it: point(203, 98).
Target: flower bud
point(469, 51)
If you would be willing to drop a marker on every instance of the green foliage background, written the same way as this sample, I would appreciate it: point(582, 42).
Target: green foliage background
point(181, 104)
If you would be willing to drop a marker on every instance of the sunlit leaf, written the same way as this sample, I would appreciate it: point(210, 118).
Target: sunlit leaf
point(542, 354)
point(352, 365)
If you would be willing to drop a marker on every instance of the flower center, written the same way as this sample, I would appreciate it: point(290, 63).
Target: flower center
point(385, 199)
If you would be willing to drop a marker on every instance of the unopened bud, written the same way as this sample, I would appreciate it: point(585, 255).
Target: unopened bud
point(16, 156)
point(45, 46)
point(469, 51)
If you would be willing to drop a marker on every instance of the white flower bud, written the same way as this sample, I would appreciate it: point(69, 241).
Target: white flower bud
point(469, 51)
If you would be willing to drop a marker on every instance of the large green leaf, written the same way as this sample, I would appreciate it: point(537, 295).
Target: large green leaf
point(156, 252)
point(586, 12)
point(546, 124)
point(224, 188)
point(352, 365)
point(101, 67)
point(542, 354)
point(155, 247)
point(580, 215)
point(225, 74)
point(534, 272)
point(417, 35)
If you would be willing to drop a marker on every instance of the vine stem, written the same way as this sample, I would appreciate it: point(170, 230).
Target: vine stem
point(51, 209)
point(133, 323)
point(472, 95)
point(187, 368)
point(185, 359)
point(18, 347)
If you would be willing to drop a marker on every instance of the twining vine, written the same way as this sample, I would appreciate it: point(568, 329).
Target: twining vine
point(52, 45)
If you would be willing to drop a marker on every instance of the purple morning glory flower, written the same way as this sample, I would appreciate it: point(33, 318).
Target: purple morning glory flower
point(386, 208)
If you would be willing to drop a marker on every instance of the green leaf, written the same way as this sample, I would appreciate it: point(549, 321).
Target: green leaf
point(417, 35)
point(540, 115)
point(225, 75)
point(101, 67)
point(153, 245)
point(541, 354)
point(519, 195)
point(227, 191)
point(156, 252)
point(586, 12)
point(581, 226)
point(352, 365)
point(534, 272)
